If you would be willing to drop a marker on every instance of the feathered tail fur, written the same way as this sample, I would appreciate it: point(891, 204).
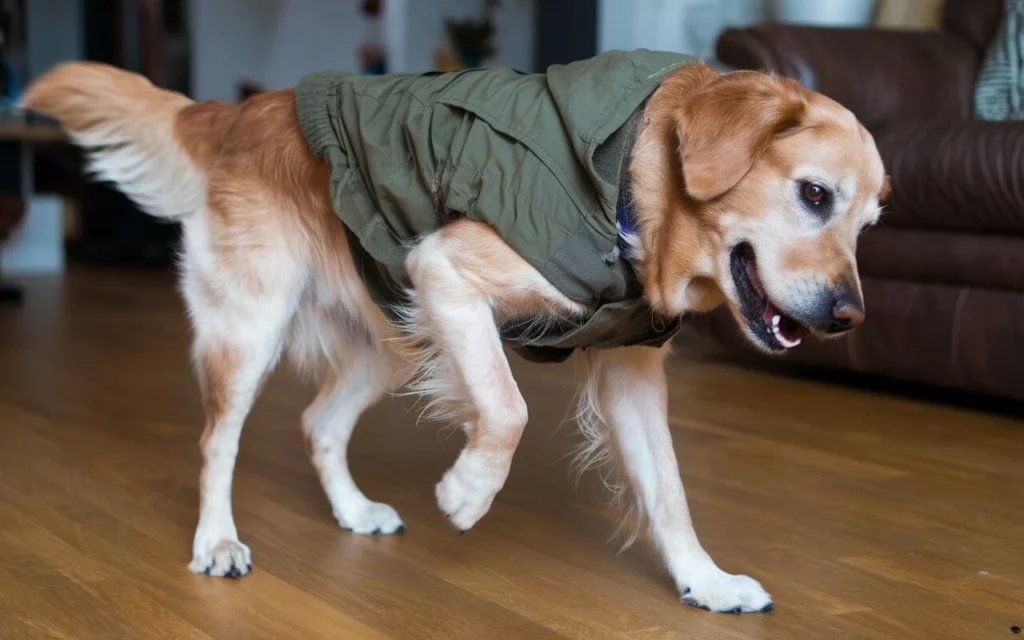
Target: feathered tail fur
point(154, 145)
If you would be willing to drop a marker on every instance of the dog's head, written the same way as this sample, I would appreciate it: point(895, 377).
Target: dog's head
point(777, 183)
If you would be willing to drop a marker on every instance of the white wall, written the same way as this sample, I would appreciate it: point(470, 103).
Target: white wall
point(276, 42)
point(684, 26)
point(54, 32)
point(515, 35)
point(271, 42)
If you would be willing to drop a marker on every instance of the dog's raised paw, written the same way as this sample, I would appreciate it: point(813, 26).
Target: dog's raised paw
point(227, 559)
point(466, 491)
point(372, 519)
point(724, 593)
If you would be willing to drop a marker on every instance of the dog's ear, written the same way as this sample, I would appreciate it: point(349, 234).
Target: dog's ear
point(728, 123)
point(886, 191)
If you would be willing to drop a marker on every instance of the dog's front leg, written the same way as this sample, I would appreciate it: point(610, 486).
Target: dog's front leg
point(632, 401)
point(468, 379)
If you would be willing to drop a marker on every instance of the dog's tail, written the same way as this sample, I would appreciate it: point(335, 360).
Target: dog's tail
point(156, 146)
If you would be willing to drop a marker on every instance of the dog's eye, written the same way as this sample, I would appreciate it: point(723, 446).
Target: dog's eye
point(814, 194)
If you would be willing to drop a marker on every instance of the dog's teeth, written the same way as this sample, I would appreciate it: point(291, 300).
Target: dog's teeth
point(776, 320)
point(785, 342)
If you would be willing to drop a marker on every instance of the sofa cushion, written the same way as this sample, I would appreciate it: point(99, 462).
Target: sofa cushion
point(957, 175)
point(976, 21)
point(925, 74)
point(943, 257)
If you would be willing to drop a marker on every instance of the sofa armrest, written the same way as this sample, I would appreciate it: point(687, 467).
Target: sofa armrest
point(880, 75)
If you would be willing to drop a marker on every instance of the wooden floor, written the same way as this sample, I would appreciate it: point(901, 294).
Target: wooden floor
point(865, 516)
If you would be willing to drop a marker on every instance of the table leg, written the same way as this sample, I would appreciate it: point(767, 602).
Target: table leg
point(10, 293)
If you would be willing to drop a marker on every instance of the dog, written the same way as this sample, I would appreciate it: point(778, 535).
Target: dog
point(746, 190)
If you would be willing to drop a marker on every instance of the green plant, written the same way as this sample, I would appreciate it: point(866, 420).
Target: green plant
point(473, 38)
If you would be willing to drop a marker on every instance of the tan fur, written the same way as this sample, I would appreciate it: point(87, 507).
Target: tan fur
point(215, 367)
point(201, 128)
point(85, 94)
point(741, 136)
point(267, 265)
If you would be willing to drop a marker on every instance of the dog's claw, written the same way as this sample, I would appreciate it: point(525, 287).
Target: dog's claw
point(766, 608)
point(724, 593)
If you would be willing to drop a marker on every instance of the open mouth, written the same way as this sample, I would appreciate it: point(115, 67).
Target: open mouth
point(769, 324)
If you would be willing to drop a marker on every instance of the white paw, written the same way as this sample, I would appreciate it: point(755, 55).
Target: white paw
point(227, 558)
point(725, 593)
point(373, 518)
point(466, 491)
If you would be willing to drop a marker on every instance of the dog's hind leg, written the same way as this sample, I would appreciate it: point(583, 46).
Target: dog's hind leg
point(349, 387)
point(240, 315)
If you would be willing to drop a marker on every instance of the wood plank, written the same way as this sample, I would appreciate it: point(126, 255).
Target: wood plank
point(865, 515)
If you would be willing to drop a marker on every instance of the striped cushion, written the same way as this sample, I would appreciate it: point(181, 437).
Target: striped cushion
point(999, 93)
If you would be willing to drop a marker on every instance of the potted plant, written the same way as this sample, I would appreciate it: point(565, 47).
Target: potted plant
point(472, 39)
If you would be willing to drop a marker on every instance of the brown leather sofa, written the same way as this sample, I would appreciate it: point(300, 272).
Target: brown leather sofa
point(943, 274)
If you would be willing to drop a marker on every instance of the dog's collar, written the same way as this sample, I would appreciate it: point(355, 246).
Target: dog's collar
point(625, 221)
point(625, 208)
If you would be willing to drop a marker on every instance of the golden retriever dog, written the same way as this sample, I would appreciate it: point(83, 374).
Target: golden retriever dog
point(750, 191)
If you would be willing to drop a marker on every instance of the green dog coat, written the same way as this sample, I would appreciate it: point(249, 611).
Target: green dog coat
point(538, 157)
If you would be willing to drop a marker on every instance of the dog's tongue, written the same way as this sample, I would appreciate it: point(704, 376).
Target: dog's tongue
point(787, 331)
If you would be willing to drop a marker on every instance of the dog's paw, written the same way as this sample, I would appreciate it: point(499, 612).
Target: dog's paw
point(373, 518)
point(724, 593)
point(227, 558)
point(466, 491)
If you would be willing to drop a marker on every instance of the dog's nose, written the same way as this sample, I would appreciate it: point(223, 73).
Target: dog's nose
point(847, 313)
